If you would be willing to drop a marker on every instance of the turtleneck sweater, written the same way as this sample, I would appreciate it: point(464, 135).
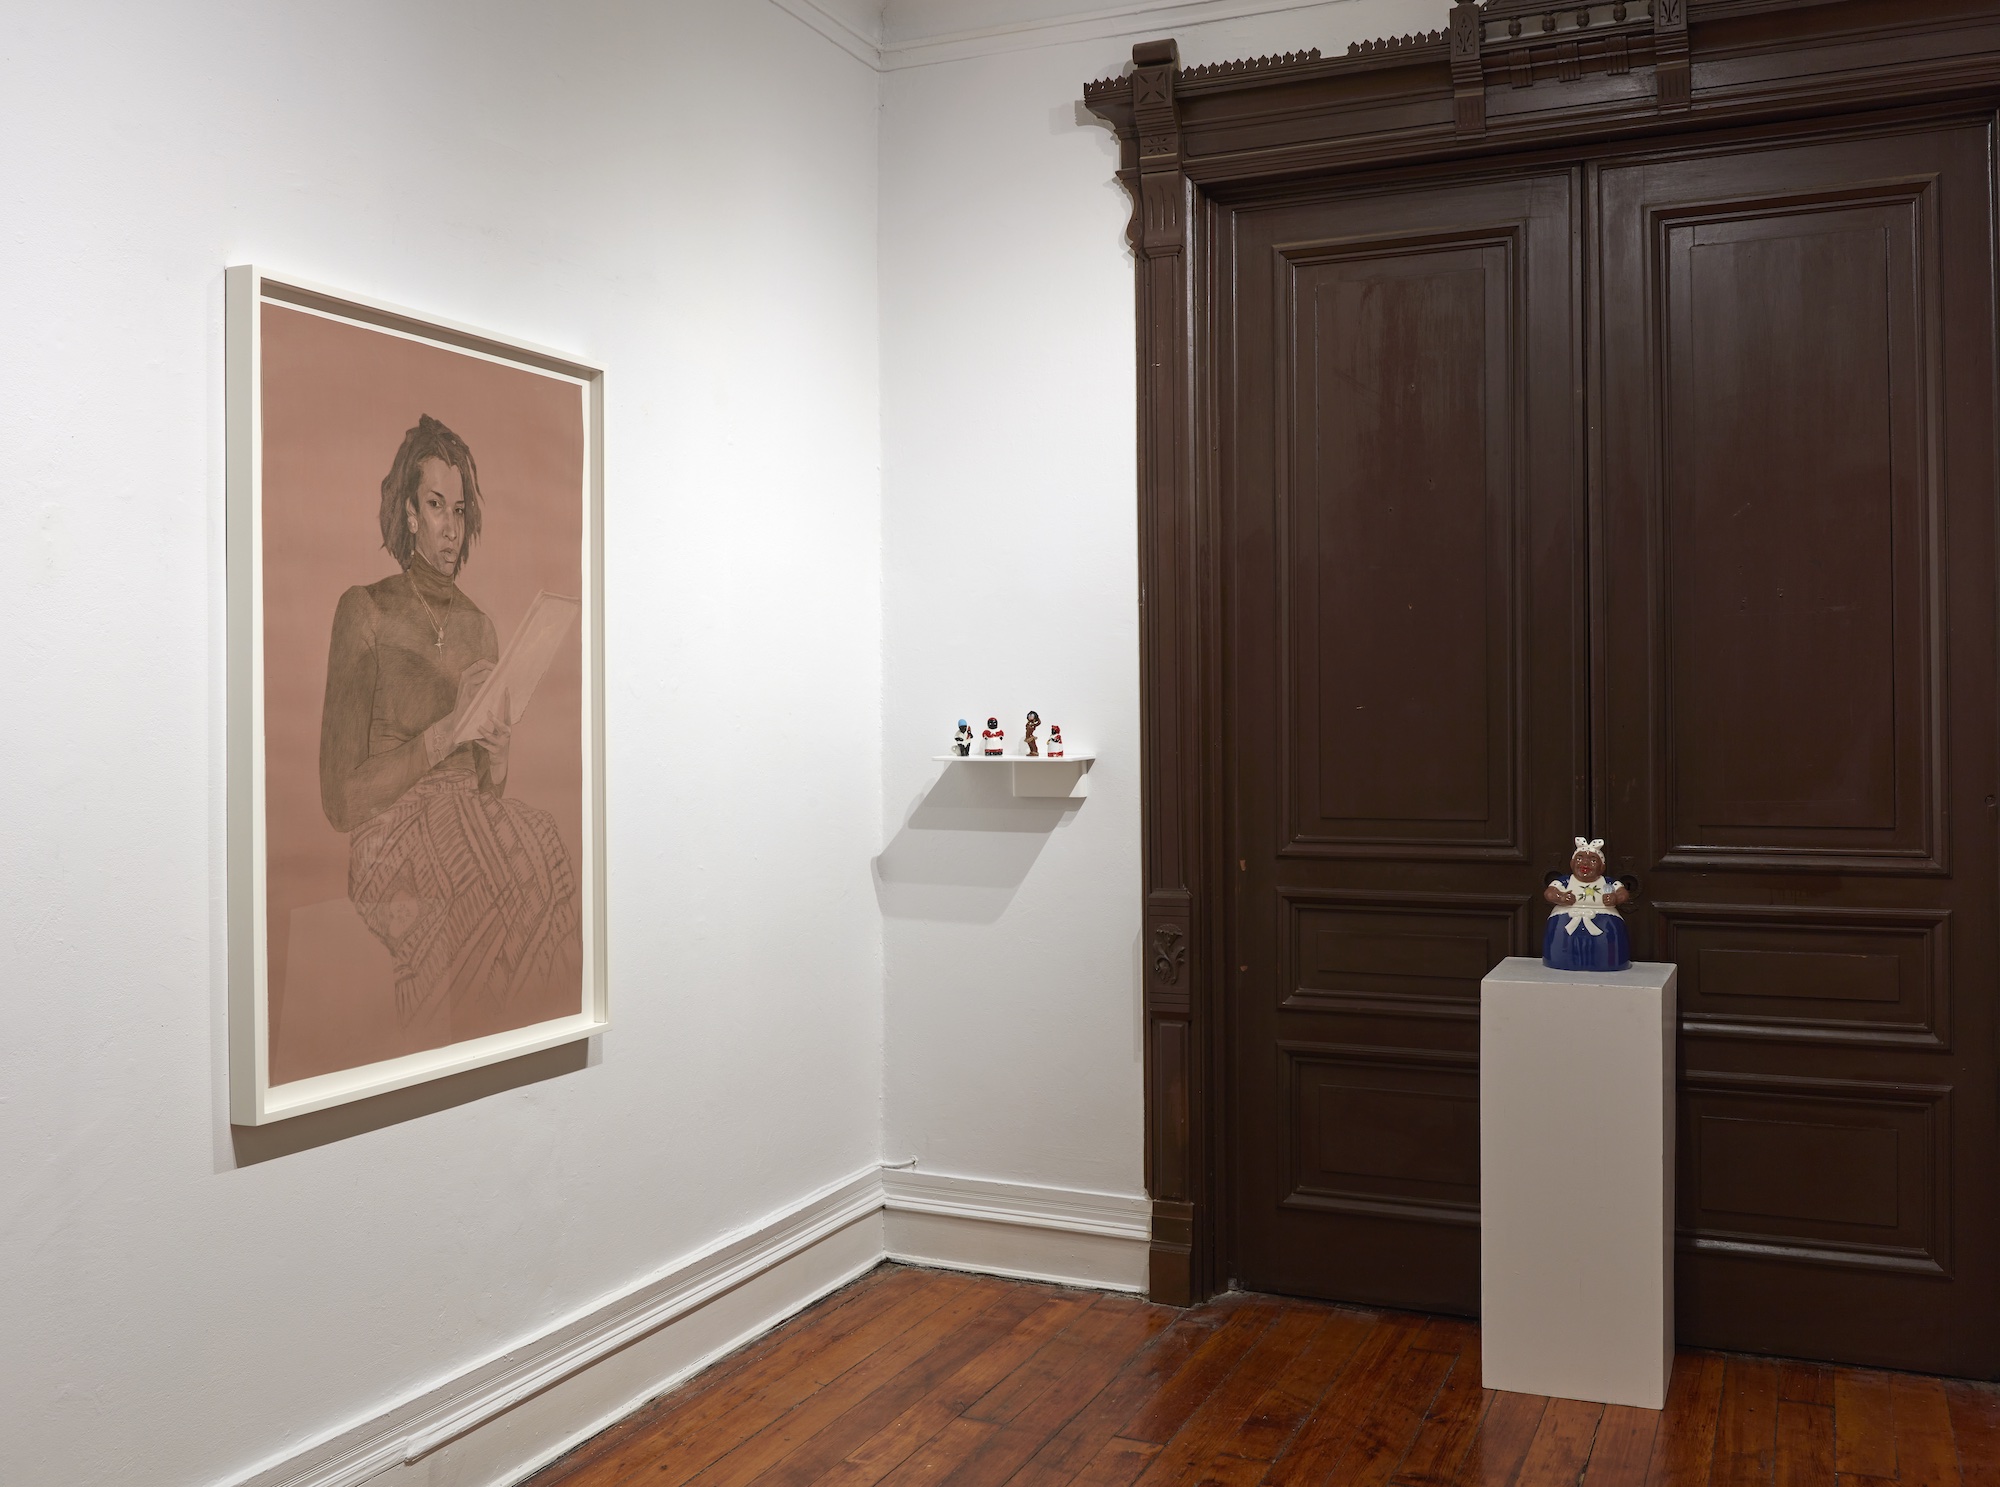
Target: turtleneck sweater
point(388, 678)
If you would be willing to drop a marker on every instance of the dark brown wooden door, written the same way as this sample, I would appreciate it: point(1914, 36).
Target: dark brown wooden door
point(1794, 566)
point(1406, 654)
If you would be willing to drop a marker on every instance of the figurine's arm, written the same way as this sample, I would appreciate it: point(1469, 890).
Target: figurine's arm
point(1554, 894)
point(1619, 894)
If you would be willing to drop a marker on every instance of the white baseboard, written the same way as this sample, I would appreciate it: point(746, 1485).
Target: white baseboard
point(1002, 1228)
point(506, 1418)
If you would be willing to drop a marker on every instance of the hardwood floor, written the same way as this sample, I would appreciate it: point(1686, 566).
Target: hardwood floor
point(917, 1376)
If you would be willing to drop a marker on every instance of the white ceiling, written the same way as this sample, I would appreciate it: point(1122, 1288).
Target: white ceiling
point(906, 33)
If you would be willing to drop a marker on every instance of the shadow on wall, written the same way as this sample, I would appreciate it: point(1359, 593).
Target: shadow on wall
point(253, 1144)
point(965, 847)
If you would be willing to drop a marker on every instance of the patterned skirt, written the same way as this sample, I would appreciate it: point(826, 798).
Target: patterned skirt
point(473, 894)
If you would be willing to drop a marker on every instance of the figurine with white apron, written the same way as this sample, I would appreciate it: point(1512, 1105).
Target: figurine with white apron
point(1585, 930)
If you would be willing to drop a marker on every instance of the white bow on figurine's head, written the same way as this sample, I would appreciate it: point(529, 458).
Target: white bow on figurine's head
point(1596, 846)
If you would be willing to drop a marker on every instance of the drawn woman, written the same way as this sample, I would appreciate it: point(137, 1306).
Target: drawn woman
point(472, 893)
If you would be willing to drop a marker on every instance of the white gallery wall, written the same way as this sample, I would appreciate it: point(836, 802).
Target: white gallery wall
point(867, 334)
point(1010, 550)
point(681, 193)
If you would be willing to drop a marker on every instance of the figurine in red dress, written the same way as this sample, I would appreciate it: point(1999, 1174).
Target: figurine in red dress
point(993, 738)
point(1055, 741)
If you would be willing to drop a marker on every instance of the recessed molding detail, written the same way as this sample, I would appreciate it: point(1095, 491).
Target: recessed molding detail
point(1868, 1186)
point(1337, 1095)
point(1790, 973)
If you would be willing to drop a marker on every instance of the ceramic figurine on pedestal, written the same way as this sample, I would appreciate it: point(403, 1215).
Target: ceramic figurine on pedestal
point(1055, 741)
point(1585, 930)
point(1028, 734)
point(993, 738)
point(961, 743)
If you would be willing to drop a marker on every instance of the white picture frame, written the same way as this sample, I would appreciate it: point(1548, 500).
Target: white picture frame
point(253, 1098)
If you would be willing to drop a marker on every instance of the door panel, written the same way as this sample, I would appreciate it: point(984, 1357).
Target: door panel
point(1793, 363)
point(1405, 681)
point(1400, 460)
point(1794, 661)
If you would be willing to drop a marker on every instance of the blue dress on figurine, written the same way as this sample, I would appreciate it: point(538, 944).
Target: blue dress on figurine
point(1585, 930)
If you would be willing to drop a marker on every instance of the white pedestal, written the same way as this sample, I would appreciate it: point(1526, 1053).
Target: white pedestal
point(1576, 1181)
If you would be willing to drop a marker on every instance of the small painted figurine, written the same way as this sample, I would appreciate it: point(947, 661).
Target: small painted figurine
point(993, 738)
point(1028, 734)
point(1055, 741)
point(961, 743)
point(1585, 930)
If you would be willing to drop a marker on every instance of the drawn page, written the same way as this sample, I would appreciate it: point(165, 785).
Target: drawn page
point(521, 665)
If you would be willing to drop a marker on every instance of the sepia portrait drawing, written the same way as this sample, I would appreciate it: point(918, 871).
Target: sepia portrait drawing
point(414, 848)
point(472, 893)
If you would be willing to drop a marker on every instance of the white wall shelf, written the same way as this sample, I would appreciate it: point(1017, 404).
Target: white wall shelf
point(1037, 775)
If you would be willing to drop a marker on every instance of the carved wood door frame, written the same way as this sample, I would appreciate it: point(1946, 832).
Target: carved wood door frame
point(1507, 81)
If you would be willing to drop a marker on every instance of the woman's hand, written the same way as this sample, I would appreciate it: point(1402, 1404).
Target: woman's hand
point(469, 682)
point(1554, 894)
point(1617, 896)
point(438, 737)
point(491, 732)
point(494, 738)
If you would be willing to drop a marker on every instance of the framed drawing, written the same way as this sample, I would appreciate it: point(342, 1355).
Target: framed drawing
point(416, 859)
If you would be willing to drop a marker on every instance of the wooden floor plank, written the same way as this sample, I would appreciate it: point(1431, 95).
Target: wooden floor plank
point(898, 1299)
point(790, 1339)
point(828, 1423)
point(1925, 1455)
point(1010, 1395)
point(1232, 1471)
point(1311, 1455)
point(1975, 1430)
point(1119, 1464)
point(1806, 1383)
point(1448, 1430)
point(1864, 1424)
point(1446, 1335)
point(1136, 1386)
point(1506, 1431)
point(1561, 1447)
point(1211, 1363)
point(1805, 1443)
point(686, 1446)
point(1270, 1423)
point(1385, 1434)
point(891, 1444)
point(1043, 1417)
point(1624, 1450)
point(1684, 1447)
point(914, 1378)
point(1214, 1421)
point(1746, 1429)
point(943, 1454)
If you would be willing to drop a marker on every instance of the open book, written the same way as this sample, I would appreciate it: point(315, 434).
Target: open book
point(512, 685)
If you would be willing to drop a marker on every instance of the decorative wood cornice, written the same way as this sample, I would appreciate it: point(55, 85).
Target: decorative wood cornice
point(1250, 65)
point(1395, 44)
point(1522, 73)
